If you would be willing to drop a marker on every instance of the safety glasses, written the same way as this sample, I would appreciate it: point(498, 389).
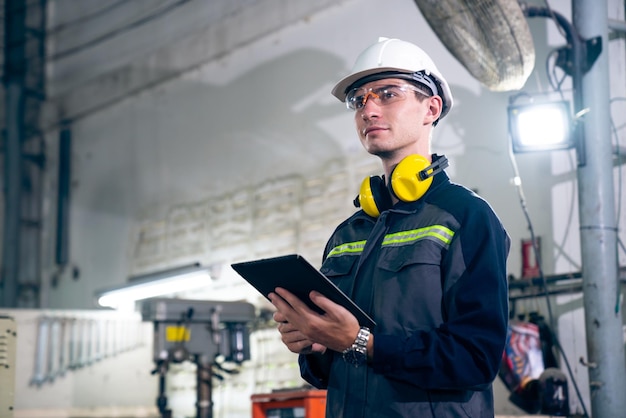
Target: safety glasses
point(357, 98)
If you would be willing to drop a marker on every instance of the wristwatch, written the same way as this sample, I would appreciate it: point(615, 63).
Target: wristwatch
point(356, 354)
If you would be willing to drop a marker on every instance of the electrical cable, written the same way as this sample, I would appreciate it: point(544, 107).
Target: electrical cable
point(551, 73)
point(570, 220)
point(618, 297)
point(139, 22)
point(556, 85)
point(106, 36)
point(74, 50)
point(554, 19)
point(62, 26)
point(570, 216)
point(618, 157)
point(522, 200)
point(85, 18)
point(621, 244)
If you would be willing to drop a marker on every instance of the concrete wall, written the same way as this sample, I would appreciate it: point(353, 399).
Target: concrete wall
point(263, 113)
point(221, 142)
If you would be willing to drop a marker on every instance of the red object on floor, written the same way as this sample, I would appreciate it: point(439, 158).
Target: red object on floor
point(312, 401)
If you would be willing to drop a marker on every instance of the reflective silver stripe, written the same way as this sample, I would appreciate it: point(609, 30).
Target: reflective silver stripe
point(438, 233)
point(347, 248)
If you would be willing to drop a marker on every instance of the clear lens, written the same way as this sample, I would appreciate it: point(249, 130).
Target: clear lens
point(357, 98)
point(354, 100)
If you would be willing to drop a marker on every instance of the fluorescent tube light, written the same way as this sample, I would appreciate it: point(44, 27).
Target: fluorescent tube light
point(154, 284)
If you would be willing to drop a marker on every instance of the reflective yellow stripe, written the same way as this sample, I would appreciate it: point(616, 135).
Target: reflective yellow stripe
point(348, 248)
point(436, 232)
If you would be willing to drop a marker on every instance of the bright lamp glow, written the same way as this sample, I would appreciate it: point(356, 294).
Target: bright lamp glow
point(153, 285)
point(540, 127)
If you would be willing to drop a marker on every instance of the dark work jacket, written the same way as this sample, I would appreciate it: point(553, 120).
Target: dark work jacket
point(432, 274)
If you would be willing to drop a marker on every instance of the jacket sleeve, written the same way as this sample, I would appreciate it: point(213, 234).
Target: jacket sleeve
point(315, 368)
point(465, 351)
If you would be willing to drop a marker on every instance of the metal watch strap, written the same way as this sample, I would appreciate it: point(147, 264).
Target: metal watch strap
point(362, 337)
point(356, 354)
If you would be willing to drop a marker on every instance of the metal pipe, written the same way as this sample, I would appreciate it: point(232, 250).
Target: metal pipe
point(14, 69)
point(12, 206)
point(204, 388)
point(598, 230)
point(63, 196)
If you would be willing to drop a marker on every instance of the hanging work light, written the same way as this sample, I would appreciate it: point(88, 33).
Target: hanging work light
point(540, 126)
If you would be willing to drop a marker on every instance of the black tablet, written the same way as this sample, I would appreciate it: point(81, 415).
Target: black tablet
point(294, 273)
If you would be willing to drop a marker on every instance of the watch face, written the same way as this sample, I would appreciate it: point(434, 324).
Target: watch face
point(355, 357)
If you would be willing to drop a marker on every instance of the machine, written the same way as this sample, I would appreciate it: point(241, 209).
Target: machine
point(201, 332)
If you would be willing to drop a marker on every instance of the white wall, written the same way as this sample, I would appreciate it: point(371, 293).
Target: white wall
point(249, 155)
point(265, 112)
point(99, 365)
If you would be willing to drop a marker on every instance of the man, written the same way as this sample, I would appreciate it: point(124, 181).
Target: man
point(425, 258)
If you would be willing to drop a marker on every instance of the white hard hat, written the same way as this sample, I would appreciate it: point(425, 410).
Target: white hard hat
point(395, 57)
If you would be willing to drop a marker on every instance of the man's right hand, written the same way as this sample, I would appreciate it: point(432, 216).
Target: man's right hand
point(295, 340)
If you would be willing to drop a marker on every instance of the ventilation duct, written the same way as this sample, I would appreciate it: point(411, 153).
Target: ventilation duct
point(490, 38)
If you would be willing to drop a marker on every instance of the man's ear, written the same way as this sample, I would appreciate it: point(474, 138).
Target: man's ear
point(435, 105)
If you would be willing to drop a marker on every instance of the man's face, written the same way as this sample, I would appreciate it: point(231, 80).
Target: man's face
point(388, 125)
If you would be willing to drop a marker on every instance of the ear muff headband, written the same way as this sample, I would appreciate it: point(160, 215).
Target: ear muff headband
point(410, 180)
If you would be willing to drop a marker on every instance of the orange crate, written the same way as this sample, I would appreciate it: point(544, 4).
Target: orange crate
point(312, 401)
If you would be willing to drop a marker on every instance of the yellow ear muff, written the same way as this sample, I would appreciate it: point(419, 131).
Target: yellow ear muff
point(367, 202)
point(373, 196)
point(406, 183)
